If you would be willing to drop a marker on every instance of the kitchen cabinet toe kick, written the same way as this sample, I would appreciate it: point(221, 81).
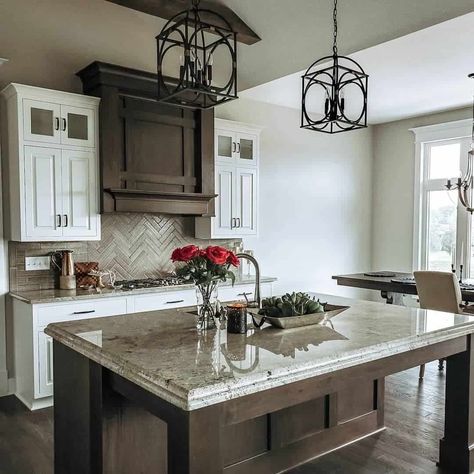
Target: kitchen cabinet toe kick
point(106, 423)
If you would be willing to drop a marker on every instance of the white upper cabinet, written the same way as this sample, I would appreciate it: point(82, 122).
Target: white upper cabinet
point(43, 209)
point(79, 194)
point(52, 164)
point(236, 182)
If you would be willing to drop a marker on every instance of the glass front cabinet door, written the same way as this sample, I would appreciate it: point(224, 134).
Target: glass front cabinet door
point(77, 126)
point(246, 149)
point(58, 124)
point(225, 146)
point(42, 121)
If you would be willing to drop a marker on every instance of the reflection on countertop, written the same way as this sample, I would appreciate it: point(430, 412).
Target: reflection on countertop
point(56, 295)
point(164, 353)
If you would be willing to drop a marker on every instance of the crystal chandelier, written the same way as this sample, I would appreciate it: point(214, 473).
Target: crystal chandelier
point(329, 84)
point(464, 184)
point(197, 37)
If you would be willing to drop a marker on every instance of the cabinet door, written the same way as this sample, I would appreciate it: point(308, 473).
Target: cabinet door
point(225, 146)
point(247, 149)
point(77, 126)
point(45, 365)
point(79, 194)
point(42, 186)
point(41, 121)
point(224, 221)
point(246, 197)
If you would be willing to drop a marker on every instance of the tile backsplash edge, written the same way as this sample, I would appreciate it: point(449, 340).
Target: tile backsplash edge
point(132, 245)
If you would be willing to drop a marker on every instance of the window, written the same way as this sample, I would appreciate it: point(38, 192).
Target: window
point(442, 226)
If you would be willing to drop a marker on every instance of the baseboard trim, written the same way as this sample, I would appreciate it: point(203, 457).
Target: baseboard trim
point(11, 386)
point(35, 404)
point(4, 385)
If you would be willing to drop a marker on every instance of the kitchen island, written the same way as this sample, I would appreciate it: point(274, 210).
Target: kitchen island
point(147, 393)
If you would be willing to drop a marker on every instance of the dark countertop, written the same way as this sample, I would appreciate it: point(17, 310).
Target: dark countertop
point(360, 280)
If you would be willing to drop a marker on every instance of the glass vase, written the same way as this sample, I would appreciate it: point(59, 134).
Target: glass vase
point(206, 296)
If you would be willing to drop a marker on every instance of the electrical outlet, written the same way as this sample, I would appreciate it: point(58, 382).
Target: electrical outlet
point(37, 263)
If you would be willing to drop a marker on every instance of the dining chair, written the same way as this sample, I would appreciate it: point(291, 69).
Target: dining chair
point(439, 291)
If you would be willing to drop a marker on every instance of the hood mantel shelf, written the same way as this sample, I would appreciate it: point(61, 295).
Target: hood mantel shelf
point(163, 202)
point(147, 147)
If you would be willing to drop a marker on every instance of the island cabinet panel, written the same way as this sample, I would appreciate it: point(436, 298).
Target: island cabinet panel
point(244, 440)
point(127, 431)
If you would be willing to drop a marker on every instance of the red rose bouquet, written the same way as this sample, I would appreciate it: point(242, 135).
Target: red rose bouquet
point(205, 268)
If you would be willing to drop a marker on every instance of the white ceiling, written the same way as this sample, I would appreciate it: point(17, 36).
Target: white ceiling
point(417, 74)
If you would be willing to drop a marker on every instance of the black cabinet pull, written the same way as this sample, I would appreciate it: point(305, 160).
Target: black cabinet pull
point(65, 220)
point(238, 221)
point(244, 294)
point(233, 147)
point(64, 125)
point(84, 312)
point(58, 222)
point(173, 302)
point(56, 123)
point(238, 149)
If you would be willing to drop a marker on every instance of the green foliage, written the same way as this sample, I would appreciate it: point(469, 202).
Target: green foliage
point(294, 304)
point(202, 271)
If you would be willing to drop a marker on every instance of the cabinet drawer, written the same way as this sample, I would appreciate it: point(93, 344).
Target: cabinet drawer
point(81, 310)
point(168, 299)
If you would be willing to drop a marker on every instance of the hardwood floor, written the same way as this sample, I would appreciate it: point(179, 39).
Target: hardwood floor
point(414, 419)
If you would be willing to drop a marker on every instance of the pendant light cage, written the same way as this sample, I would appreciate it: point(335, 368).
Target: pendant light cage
point(192, 41)
point(333, 80)
point(465, 183)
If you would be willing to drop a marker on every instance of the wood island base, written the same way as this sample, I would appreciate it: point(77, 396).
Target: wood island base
point(105, 423)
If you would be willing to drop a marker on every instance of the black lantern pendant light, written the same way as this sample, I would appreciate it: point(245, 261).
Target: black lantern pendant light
point(190, 43)
point(334, 95)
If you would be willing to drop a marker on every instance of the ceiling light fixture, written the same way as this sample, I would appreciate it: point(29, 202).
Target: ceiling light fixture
point(187, 44)
point(329, 88)
point(464, 183)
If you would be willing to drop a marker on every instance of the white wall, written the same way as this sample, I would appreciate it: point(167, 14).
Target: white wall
point(315, 199)
point(393, 181)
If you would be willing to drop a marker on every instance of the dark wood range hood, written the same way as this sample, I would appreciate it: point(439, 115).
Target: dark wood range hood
point(153, 157)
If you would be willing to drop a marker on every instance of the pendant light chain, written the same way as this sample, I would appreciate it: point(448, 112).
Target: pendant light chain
point(334, 16)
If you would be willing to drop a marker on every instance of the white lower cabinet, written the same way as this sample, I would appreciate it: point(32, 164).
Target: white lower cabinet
point(33, 349)
point(45, 366)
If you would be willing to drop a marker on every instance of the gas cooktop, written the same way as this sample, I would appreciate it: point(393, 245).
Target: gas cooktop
point(149, 283)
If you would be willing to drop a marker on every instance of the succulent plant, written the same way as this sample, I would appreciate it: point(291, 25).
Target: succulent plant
point(294, 304)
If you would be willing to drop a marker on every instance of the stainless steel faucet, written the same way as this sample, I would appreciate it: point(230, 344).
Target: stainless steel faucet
point(257, 302)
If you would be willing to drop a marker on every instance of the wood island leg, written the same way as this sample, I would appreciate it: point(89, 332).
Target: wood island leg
point(456, 451)
point(77, 413)
point(194, 442)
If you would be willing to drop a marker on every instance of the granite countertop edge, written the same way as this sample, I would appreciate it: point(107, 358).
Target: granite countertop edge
point(36, 297)
point(225, 391)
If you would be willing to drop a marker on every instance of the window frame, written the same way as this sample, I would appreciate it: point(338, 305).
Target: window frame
point(425, 137)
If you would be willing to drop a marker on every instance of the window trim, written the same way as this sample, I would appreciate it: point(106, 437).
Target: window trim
point(458, 129)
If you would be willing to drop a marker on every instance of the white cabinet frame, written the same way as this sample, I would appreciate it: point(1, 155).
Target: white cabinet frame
point(23, 197)
point(236, 184)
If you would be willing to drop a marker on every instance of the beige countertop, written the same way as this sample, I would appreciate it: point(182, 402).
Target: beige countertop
point(163, 352)
point(56, 296)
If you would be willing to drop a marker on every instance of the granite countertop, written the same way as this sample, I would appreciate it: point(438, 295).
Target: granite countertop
point(56, 295)
point(162, 352)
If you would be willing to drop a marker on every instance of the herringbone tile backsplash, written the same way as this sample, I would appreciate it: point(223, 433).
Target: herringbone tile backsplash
point(132, 245)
